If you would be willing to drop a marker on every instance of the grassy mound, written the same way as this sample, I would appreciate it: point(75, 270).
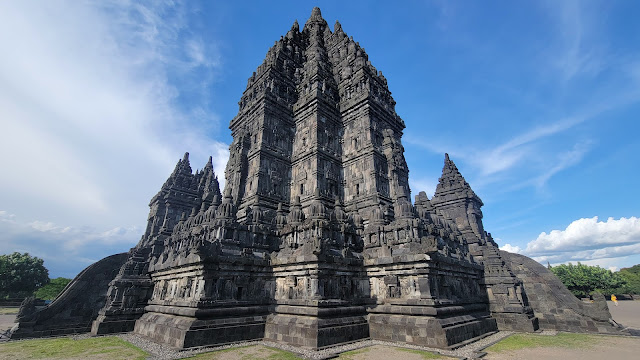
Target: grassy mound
point(108, 348)
point(564, 340)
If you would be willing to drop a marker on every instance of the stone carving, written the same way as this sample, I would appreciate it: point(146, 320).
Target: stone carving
point(27, 309)
point(314, 241)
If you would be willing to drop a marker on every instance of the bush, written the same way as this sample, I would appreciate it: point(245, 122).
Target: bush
point(632, 277)
point(52, 289)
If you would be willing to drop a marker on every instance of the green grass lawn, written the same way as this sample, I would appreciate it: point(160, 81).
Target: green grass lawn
point(108, 348)
point(564, 340)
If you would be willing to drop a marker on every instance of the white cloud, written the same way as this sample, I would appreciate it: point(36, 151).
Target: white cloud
point(510, 248)
point(589, 234)
point(614, 243)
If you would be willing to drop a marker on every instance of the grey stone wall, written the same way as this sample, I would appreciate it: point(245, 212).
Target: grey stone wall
point(74, 310)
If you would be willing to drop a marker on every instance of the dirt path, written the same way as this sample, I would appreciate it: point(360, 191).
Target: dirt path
point(6, 322)
point(257, 352)
point(379, 352)
point(626, 313)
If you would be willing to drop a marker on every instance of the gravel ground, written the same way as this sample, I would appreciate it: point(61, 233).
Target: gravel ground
point(164, 352)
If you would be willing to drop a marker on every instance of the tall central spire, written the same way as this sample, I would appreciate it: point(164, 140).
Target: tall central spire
point(316, 115)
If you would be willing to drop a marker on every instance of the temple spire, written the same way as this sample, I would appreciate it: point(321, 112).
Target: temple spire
point(452, 184)
point(456, 200)
point(209, 186)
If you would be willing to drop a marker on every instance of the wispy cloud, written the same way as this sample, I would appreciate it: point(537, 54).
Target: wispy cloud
point(565, 160)
point(524, 148)
point(576, 54)
point(87, 95)
point(428, 185)
point(93, 118)
point(514, 150)
point(578, 79)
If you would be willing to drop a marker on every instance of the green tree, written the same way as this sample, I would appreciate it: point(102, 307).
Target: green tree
point(52, 289)
point(632, 277)
point(21, 275)
point(582, 280)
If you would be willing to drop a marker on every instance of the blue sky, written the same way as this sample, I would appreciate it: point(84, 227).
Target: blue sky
point(535, 101)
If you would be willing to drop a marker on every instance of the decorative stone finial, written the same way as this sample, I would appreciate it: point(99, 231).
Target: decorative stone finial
point(316, 17)
point(337, 27)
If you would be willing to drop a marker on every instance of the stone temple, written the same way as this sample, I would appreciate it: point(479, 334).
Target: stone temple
point(314, 241)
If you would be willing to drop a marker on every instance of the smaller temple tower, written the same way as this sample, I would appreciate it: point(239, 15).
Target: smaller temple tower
point(182, 194)
point(458, 202)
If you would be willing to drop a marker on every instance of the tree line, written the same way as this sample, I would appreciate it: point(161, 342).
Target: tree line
point(23, 275)
point(583, 280)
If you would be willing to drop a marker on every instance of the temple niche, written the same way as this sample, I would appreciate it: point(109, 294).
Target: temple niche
point(314, 241)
